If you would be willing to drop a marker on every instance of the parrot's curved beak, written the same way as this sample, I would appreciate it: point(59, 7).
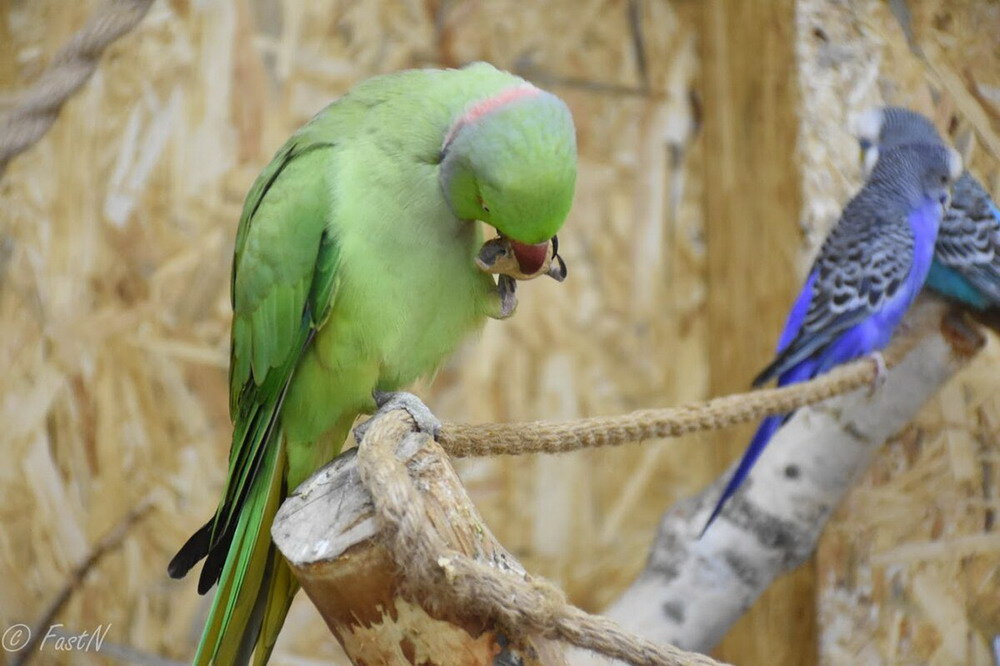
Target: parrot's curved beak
point(530, 258)
point(522, 261)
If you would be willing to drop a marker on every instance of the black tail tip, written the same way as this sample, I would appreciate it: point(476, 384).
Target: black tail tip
point(764, 377)
point(205, 584)
point(192, 552)
point(180, 565)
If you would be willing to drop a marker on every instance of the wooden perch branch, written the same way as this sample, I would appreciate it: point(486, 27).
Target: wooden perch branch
point(399, 564)
point(692, 589)
point(328, 532)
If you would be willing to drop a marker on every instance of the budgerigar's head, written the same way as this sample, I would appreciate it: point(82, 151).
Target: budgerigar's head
point(919, 172)
point(510, 161)
point(881, 128)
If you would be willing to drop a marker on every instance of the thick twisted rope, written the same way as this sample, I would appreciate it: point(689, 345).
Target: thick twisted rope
point(38, 107)
point(462, 440)
point(523, 605)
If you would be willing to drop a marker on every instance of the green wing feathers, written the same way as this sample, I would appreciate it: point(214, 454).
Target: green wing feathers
point(285, 260)
point(283, 285)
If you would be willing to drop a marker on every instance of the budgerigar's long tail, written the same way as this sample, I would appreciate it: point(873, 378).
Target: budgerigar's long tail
point(764, 433)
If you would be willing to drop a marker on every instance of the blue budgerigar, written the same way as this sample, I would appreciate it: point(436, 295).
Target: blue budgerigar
point(966, 265)
point(867, 273)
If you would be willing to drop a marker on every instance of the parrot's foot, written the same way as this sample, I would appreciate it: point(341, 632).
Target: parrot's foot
point(390, 401)
point(881, 371)
point(506, 290)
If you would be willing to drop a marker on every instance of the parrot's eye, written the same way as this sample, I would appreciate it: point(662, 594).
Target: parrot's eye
point(865, 144)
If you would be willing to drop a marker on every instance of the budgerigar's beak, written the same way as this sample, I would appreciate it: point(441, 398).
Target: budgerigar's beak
point(868, 156)
point(866, 127)
point(945, 202)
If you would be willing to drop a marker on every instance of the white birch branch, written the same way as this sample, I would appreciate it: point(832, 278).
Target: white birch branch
point(692, 590)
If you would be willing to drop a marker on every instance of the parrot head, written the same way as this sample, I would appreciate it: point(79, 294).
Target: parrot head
point(945, 168)
point(920, 172)
point(881, 128)
point(510, 161)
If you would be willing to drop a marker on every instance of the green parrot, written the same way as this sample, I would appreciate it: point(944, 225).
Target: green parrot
point(355, 274)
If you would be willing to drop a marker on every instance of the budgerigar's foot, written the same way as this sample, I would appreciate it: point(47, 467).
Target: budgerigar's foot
point(881, 371)
point(387, 401)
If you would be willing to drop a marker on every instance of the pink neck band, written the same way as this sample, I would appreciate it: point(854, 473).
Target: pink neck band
point(488, 106)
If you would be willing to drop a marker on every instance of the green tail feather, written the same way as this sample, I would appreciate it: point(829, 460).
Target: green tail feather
point(234, 621)
point(283, 587)
point(257, 586)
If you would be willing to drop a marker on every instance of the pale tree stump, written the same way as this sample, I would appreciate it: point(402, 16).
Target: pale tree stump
point(328, 532)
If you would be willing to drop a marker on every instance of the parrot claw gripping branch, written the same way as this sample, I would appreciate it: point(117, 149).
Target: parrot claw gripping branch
point(423, 418)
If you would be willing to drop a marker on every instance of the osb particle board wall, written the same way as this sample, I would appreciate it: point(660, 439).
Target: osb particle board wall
point(113, 291)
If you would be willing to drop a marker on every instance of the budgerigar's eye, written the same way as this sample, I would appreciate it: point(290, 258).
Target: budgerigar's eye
point(865, 144)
